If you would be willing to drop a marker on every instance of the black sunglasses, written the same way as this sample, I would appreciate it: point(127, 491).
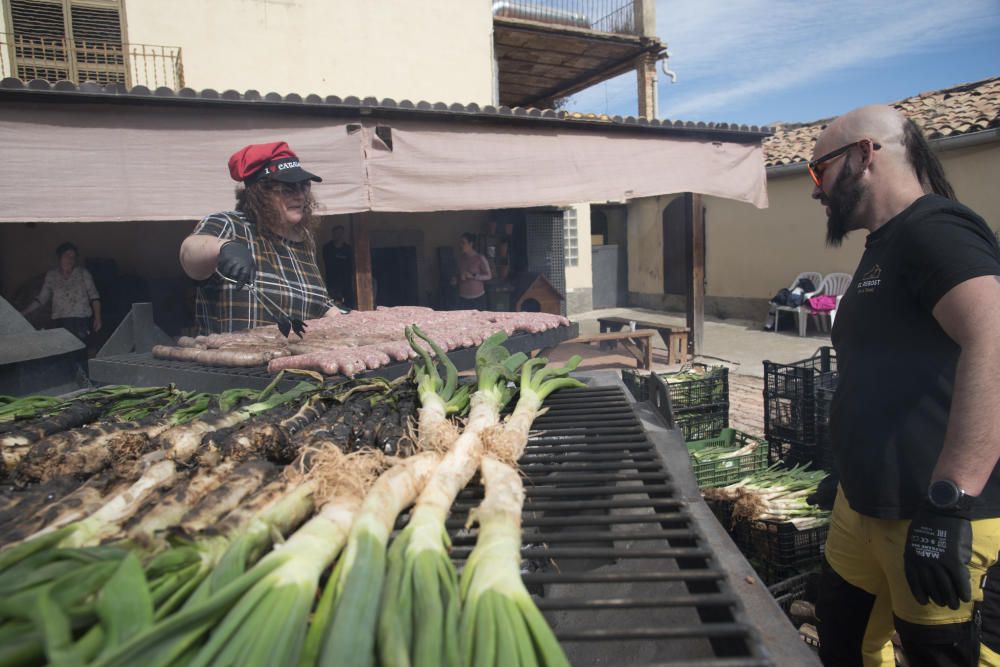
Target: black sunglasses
point(290, 189)
point(817, 174)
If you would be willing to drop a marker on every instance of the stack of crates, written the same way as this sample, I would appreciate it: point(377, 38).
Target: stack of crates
point(698, 406)
point(796, 409)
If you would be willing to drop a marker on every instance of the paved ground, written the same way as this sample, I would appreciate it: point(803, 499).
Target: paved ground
point(740, 345)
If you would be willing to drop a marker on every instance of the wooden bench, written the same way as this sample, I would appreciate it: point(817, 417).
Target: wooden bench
point(675, 338)
point(638, 343)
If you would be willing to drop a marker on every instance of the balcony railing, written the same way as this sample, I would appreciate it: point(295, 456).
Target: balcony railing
point(54, 59)
point(611, 16)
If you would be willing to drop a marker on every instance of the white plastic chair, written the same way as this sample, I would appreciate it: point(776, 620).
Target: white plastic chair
point(835, 284)
point(800, 311)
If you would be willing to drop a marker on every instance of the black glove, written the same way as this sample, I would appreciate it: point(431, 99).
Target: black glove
point(236, 262)
point(936, 556)
point(825, 493)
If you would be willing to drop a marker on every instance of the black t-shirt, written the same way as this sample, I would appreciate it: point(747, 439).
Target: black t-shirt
point(896, 364)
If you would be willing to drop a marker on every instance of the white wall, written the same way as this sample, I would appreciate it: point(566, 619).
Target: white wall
point(435, 50)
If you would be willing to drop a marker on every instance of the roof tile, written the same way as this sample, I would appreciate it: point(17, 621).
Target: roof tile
point(970, 107)
point(365, 106)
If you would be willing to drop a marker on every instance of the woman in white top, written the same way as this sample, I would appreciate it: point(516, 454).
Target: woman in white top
point(76, 305)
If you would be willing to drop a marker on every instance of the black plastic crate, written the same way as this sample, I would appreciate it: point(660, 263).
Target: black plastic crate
point(790, 395)
point(796, 587)
point(776, 550)
point(824, 443)
point(702, 423)
point(636, 383)
point(791, 453)
point(711, 390)
point(783, 546)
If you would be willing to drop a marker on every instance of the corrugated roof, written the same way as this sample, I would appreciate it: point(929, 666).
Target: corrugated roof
point(963, 109)
point(390, 107)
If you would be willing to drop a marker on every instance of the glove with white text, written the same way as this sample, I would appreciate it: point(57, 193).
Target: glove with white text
point(936, 556)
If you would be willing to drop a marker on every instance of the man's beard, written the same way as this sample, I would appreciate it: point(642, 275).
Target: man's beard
point(843, 202)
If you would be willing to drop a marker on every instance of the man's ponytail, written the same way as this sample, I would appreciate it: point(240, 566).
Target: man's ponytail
point(925, 162)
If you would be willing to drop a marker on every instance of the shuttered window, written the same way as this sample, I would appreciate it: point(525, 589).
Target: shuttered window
point(78, 40)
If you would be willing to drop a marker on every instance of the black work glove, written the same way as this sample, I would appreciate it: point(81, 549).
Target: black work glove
point(236, 262)
point(936, 556)
point(825, 493)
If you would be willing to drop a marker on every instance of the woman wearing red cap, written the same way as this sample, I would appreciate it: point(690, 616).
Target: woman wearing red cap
point(268, 241)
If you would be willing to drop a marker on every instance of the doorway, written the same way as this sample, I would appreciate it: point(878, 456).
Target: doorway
point(675, 253)
point(394, 276)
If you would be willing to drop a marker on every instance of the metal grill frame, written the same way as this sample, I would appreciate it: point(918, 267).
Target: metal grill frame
point(115, 365)
point(628, 462)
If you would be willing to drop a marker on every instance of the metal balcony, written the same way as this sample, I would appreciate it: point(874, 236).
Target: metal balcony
point(548, 49)
point(610, 16)
point(54, 59)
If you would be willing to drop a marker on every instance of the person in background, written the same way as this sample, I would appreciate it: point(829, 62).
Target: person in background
point(76, 305)
point(915, 531)
point(503, 259)
point(266, 241)
point(473, 271)
point(338, 260)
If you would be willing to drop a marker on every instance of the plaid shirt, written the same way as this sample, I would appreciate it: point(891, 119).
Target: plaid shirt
point(286, 272)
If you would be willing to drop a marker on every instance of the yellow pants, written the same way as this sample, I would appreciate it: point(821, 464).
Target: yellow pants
point(867, 553)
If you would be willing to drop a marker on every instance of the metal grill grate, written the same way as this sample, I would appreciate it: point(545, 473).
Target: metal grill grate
point(622, 572)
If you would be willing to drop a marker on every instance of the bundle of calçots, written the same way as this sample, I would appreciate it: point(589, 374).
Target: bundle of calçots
point(161, 527)
point(777, 493)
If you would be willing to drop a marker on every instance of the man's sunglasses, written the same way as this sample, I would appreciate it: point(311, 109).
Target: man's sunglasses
point(813, 165)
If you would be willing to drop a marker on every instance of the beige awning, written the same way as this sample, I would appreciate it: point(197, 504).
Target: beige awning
point(88, 162)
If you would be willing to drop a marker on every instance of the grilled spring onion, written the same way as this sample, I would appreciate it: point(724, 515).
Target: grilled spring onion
point(13, 408)
point(249, 634)
point(119, 508)
point(500, 624)
point(234, 603)
point(116, 407)
point(343, 629)
point(166, 581)
point(86, 450)
point(438, 398)
point(418, 622)
point(230, 556)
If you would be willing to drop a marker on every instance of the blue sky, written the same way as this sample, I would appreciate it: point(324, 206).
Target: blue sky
point(758, 62)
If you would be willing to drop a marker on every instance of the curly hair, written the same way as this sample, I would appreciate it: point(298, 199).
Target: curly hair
point(258, 202)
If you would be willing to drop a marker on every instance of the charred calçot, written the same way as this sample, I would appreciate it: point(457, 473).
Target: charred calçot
point(210, 547)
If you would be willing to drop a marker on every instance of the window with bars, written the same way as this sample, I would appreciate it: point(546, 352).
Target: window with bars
point(78, 40)
point(571, 240)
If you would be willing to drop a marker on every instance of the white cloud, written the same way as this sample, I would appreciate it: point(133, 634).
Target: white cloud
point(729, 53)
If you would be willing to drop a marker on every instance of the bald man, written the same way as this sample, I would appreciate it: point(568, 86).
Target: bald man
point(915, 422)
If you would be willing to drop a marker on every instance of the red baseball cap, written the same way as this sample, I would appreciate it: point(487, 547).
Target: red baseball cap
point(275, 161)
